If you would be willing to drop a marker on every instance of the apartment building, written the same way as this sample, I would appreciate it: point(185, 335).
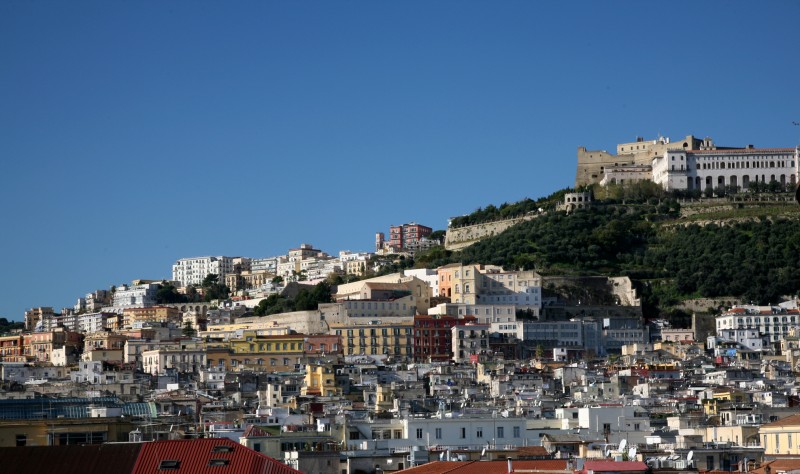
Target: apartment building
point(489, 284)
point(192, 271)
point(433, 341)
point(34, 316)
point(12, 349)
point(389, 337)
point(136, 295)
point(750, 324)
point(137, 317)
point(470, 342)
point(407, 236)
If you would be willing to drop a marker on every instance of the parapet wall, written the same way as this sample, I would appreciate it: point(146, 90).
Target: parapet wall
point(462, 237)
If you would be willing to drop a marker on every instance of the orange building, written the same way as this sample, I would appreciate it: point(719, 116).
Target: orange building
point(12, 349)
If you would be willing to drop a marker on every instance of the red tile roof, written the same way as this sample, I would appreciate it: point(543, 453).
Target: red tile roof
point(206, 456)
point(791, 420)
point(778, 465)
point(86, 459)
point(614, 466)
point(491, 467)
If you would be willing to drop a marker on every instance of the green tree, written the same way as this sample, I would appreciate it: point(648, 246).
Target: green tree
point(213, 289)
point(188, 330)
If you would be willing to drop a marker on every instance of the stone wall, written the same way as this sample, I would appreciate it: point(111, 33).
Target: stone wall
point(462, 237)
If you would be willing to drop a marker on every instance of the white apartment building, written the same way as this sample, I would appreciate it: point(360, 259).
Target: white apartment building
point(184, 360)
point(748, 324)
point(269, 265)
point(192, 271)
point(431, 277)
point(522, 289)
point(711, 168)
point(91, 322)
point(468, 431)
point(135, 296)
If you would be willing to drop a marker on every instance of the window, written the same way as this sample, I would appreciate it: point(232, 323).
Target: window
point(516, 431)
point(438, 433)
point(463, 433)
point(419, 433)
point(219, 462)
point(500, 432)
point(22, 440)
point(479, 433)
point(169, 465)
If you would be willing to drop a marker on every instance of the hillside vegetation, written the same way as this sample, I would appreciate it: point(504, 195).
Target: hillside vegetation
point(754, 256)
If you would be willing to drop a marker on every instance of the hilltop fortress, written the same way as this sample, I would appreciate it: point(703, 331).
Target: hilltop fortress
point(688, 164)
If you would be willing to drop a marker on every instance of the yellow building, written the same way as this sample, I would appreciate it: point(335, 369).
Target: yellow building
point(320, 381)
point(263, 353)
point(782, 437)
point(154, 314)
point(385, 337)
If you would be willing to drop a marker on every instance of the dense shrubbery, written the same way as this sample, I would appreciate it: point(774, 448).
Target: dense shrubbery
point(758, 261)
point(306, 299)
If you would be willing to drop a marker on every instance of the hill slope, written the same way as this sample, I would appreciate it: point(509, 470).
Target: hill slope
point(752, 253)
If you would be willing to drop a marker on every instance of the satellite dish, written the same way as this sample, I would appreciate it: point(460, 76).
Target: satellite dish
point(483, 452)
point(632, 453)
point(690, 456)
point(608, 453)
point(623, 444)
point(441, 456)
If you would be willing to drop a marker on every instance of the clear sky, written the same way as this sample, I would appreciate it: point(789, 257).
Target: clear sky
point(134, 133)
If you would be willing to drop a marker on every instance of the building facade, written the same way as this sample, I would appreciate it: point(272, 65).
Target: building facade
point(720, 168)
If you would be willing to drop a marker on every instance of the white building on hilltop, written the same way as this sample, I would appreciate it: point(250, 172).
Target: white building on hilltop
point(192, 271)
point(712, 168)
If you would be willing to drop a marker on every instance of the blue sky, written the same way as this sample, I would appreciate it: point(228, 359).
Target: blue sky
point(136, 133)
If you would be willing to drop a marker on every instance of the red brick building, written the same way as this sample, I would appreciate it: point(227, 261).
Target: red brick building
point(432, 337)
point(407, 235)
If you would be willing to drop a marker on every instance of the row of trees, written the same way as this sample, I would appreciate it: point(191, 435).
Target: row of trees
point(508, 211)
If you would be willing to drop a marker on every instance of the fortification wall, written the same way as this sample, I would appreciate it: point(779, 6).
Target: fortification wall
point(462, 237)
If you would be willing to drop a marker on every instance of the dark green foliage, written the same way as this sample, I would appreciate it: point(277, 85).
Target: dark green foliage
point(6, 325)
point(306, 300)
point(167, 294)
point(213, 289)
point(589, 241)
point(508, 211)
point(188, 330)
point(756, 261)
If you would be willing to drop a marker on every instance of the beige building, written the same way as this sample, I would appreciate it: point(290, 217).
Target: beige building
point(389, 287)
point(155, 314)
point(780, 438)
point(491, 285)
point(594, 164)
